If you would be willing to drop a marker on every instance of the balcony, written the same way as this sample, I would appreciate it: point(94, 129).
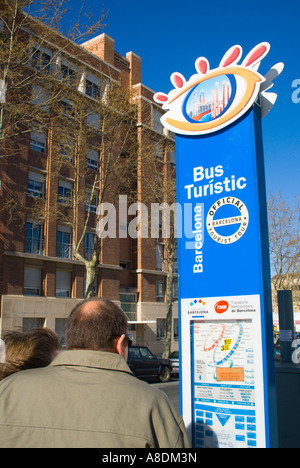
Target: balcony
point(34, 246)
point(64, 250)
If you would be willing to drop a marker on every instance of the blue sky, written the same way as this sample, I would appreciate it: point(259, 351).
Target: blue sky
point(170, 35)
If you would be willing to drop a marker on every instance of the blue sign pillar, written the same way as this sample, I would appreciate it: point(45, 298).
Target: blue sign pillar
point(227, 356)
point(228, 395)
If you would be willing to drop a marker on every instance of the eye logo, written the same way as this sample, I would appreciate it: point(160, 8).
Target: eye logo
point(213, 99)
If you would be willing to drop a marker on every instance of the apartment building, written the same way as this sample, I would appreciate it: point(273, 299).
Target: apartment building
point(41, 277)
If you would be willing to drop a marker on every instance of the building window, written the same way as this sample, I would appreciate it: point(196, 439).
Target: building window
point(38, 142)
point(160, 291)
point(41, 97)
point(159, 150)
point(89, 239)
point(173, 159)
point(92, 90)
point(92, 159)
point(34, 238)
point(156, 123)
point(32, 281)
point(175, 261)
point(33, 322)
point(65, 193)
point(36, 184)
point(93, 121)
point(159, 257)
point(41, 60)
point(60, 329)
point(160, 329)
point(175, 329)
point(128, 304)
point(91, 203)
point(175, 290)
point(64, 243)
point(63, 283)
point(68, 109)
point(67, 151)
point(68, 75)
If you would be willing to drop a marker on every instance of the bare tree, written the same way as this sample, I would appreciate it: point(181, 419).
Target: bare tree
point(284, 234)
point(104, 158)
point(90, 142)
point(159, 182)
point(24, 62)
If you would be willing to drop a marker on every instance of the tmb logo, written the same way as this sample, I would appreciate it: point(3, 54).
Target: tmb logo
point(221, 307)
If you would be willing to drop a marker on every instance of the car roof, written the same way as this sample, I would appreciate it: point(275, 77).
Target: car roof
point(138, 346)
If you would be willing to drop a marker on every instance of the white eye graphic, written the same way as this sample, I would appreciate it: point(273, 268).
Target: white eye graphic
point(213, 99)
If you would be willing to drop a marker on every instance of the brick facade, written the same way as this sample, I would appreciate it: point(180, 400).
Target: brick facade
point(29, 244)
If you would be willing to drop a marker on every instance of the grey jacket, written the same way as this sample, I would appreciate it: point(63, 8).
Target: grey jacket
point(86, 399)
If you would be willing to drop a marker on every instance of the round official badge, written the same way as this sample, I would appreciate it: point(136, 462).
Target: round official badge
point(227, 220)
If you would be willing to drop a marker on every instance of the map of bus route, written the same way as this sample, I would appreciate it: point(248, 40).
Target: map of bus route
point(223, 392)
point(223, 351)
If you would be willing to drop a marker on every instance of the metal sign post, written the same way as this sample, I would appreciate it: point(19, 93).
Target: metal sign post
point(226, 331)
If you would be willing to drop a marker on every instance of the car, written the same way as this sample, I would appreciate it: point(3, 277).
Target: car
point(146, 366)
point(174, 358)
point(277, 354)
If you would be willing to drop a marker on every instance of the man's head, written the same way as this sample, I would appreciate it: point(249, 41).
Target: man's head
point(97, 324)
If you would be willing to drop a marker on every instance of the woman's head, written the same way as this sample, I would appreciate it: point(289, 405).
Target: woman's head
point(28, 349)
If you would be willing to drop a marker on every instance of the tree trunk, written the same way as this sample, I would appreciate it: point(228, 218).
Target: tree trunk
point(169, 300)
point(90, 269)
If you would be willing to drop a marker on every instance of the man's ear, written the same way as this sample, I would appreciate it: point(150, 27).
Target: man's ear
point(120, 347)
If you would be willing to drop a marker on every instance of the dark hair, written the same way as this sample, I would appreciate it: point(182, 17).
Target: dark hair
point(29, 349)
point(94, 324)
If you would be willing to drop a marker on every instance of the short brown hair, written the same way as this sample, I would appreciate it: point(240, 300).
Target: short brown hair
point(94, 324)
point(29, 349)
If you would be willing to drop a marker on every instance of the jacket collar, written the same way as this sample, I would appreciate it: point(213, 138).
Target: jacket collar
point(96, 359)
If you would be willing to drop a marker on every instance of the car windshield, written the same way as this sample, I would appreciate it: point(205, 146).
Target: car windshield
point(134, 353)
point(146, 353)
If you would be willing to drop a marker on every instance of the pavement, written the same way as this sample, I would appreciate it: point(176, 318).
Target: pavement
point(171, 389)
